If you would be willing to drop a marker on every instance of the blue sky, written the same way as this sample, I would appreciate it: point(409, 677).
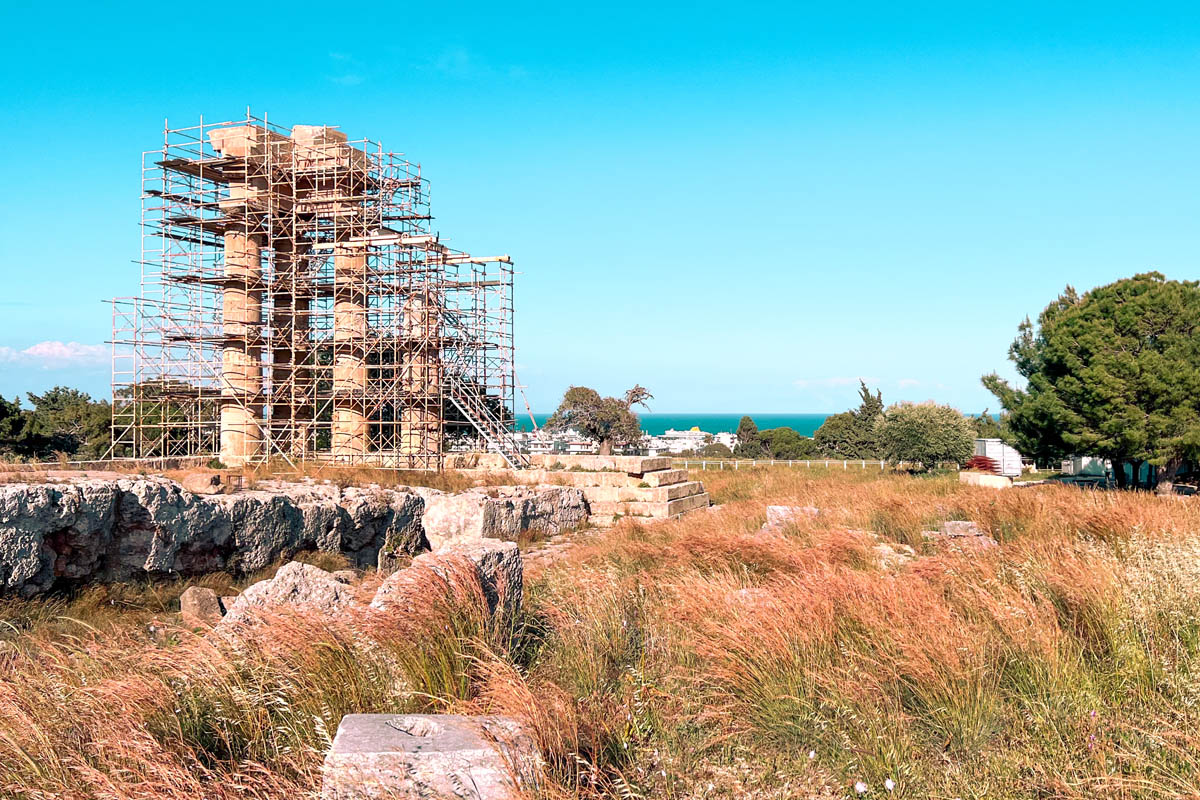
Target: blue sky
point(743, 207)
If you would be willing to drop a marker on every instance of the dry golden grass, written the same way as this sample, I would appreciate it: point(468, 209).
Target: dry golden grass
point(447, 481)
point(251, 476)
point(695, 658)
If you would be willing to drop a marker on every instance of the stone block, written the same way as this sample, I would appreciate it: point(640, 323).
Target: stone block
point(686, 504)
point(665, 477)
point(658, 510)
point(777, 516)
point(630, 465)
point(961, 535)
point(399, 756)
point(200, 606)
point(296, 585)
point(642, 494)
point(502, 513)
point(985, 479)
point(498, 565)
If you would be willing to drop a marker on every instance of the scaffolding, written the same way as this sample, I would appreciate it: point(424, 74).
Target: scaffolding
point(295, 306)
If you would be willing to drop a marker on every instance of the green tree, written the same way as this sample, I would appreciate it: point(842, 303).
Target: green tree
point(715, 450)
point(12, 427)
point(925, 434)
point(852, 434)
point(988, 427)
point(610, 421)
point(786, 444)
point(64, 420)
point(1112, 373)
point(748, 444)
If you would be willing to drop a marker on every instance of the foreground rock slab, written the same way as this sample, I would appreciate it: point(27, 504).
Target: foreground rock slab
point(498, 567)
point(985, 479)
point(200, 606)
point(296, 585)
point(428, 756)
point(501, 513)
point(961, 535)
point(778, 516)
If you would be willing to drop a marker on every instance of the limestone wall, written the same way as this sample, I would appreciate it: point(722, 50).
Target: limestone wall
point(116, 530)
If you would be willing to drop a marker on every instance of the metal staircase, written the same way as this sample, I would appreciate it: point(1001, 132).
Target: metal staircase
point(472, 404)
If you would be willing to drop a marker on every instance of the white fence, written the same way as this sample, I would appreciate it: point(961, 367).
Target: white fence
point(827, 463)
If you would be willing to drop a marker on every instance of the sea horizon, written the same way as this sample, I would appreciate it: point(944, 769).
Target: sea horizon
point(655, 424)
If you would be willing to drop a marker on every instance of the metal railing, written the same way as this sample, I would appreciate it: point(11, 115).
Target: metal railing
point(473, 406)
point(827, 463)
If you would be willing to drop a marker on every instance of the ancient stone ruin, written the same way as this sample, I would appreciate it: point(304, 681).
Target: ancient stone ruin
point(296, 306)
point(61, 534)
point(429, 755)
point(616, 487)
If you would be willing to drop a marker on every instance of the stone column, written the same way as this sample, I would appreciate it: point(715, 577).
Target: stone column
point(241, 356)
point(350, 430)
point(420, 381)
point(291, 377)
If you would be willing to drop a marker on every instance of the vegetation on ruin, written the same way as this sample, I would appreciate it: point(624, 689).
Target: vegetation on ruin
point(700, 657)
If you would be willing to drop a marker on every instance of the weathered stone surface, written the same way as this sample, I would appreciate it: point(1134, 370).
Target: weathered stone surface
point(893, 555)
point(960, 527)
point(53, 531)
point(501, 513)
point(961, 535)
point(296, 584)
point(498, 568)
point(778, 516)
point(985, 479)
point(116, 530)
point(429, 755)
point(347, 576)
point(200, 606)
point(202, 483)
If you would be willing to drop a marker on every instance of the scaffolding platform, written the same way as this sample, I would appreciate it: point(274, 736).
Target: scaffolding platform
point(294, 305)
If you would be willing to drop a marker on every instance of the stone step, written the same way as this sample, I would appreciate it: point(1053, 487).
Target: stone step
point(630, 465)
point(658, 510)
point(641, 494)
point(581, 479)
point(665, 477)
point(566, 477)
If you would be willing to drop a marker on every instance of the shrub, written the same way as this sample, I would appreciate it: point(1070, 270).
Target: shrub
point(925, 434)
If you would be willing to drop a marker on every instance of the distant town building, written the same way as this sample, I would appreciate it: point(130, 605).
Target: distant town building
point(573, 442)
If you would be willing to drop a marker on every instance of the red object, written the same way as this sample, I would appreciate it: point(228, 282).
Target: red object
point(983, 464)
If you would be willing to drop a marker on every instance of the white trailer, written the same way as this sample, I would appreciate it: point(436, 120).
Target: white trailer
point(1007, 458)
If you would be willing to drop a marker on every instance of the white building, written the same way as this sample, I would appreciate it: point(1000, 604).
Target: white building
point(1007, 459)
point(725, 438)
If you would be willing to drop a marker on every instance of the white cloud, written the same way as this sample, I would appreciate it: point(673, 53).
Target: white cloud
point(57, 355)
point(908, 383)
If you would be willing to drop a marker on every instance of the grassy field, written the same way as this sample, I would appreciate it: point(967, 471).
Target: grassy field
point(695, 658)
